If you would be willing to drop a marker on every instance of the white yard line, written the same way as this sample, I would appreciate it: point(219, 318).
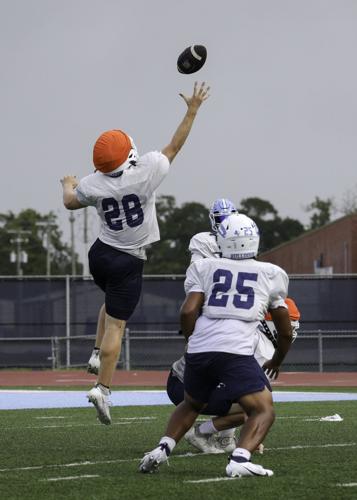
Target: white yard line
point(301, 416)
point(210, 480)
point(84, 476)
point(47, 418)
point(303, 446)
point(184, 455)
point(346, 484)
point(126, 421)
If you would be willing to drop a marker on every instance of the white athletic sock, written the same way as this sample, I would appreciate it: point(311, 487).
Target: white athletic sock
point(227, 433)
point(171, 443)
point(207, 427)
point(105, 390)
point(243, 453)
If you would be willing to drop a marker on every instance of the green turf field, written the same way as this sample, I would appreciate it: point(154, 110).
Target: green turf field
point(54, 454)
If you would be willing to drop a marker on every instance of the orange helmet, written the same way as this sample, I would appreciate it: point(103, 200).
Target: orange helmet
point(294, 314)
point(111, 150)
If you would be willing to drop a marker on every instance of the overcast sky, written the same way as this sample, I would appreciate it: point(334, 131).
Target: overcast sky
point(281, 122)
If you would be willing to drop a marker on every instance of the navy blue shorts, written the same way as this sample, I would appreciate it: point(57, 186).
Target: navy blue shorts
point(235, 375)
point(217, 403)
point(119, 275)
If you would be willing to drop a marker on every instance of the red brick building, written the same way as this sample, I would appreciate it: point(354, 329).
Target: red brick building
point(331, 249)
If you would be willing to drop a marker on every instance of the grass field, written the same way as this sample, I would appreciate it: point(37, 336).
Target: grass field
point(54, 454)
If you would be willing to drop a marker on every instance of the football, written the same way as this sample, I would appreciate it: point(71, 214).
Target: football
point(191, 59)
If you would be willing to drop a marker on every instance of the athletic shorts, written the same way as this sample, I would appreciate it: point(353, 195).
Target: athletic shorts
point(218, 404)
point(119, 275)
point(234, 374)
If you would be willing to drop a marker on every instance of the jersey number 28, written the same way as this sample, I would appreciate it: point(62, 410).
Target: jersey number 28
point(222, 287)
point(134, 215)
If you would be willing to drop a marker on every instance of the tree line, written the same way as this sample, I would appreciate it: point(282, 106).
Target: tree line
point(168, 256)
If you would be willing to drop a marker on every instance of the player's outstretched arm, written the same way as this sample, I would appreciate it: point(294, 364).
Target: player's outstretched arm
point(200, 94)
point(70, 201)
point(281, 319)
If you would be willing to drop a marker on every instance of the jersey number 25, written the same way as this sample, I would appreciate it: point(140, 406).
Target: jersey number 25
point(222, 287)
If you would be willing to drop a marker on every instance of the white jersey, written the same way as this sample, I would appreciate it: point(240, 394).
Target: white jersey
point(237, 296)
point(203, 245)
point(126, 203)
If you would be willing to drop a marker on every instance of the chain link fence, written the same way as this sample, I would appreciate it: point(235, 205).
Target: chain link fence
point(51, 323)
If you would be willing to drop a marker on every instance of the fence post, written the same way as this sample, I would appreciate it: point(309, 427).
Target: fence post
point(320, 349)
point(127, 349)
point(68, 322)
point(53, 353)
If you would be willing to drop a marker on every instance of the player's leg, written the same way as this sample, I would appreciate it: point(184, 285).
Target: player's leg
point(261, 416)
point(260, 411)
point(174, 389)
point(109, 353)
point(198, 384)
point(180, 421)
point(120, 276)
point(110, 348)
point(94, 360)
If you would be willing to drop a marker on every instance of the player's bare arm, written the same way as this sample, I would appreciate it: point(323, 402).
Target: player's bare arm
point(70, 201)
point(200, 94)
point(281, 319)
point(190, 310)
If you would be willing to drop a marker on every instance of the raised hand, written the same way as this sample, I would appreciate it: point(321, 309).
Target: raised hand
point(200, 94)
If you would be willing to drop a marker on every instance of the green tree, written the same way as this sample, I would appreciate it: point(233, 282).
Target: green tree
point(31, 226)
point(177, 226)
point(321, 212)
point(274, 230)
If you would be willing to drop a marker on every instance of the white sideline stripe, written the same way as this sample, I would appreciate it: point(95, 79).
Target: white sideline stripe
point(210, 480)
point(85, 476)
point(184, 455)
point(346, 484)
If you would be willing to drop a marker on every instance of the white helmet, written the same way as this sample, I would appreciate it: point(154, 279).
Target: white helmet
point(238, 237)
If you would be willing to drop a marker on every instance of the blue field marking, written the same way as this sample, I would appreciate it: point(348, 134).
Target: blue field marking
point(31, 399)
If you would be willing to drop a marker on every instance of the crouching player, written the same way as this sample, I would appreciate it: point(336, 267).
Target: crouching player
point(226, 299)
point(217, 434)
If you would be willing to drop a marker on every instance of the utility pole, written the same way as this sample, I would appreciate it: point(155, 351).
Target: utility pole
point(47, 225)
point(20, 257)
point(73, 253)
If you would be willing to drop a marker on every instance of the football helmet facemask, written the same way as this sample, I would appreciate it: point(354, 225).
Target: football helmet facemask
point(220, 209)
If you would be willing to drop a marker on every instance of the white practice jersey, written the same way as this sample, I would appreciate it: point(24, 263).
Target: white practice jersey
point(126, 204)
point(237, 296)
point(203, 245)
